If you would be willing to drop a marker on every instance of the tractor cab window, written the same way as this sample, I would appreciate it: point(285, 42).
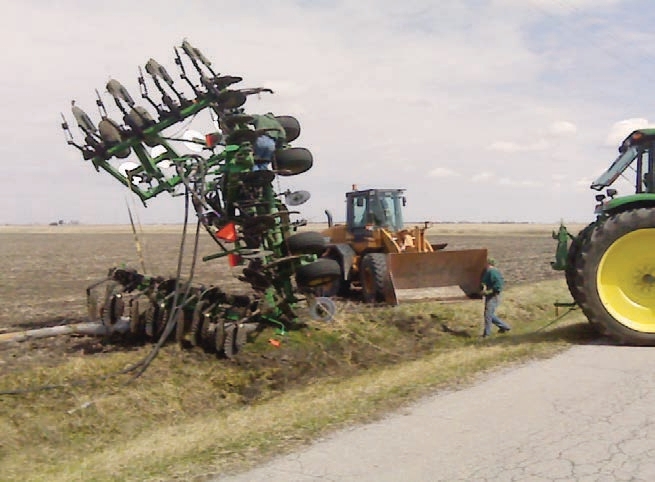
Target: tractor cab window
point(616, 169)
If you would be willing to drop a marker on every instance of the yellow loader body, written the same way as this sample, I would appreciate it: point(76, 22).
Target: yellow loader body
point(416, 270)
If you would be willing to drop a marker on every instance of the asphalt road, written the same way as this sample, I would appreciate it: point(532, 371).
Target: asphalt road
point(585, 415)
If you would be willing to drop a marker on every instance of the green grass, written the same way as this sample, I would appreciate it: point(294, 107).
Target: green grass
point(191, 415)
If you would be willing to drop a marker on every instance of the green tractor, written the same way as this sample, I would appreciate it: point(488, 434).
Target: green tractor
point(610, 264)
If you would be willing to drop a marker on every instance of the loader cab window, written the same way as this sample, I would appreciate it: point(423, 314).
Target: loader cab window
point(388, 210)
point(358, 209)
point(376, 208)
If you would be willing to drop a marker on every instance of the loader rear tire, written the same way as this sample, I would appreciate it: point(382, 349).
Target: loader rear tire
point(374, 278)
point(615, 276)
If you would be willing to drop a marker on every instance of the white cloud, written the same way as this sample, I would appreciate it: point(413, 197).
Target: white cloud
point(442, 172)
point(509, 146)
point(564, 7)
point(483, 176)
point(562, 128)
point(621, 129)
point(505, 181)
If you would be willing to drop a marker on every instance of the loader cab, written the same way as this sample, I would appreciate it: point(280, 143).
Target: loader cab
point(375, 208)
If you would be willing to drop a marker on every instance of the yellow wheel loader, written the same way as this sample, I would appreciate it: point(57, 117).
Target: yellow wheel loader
point(389, 263)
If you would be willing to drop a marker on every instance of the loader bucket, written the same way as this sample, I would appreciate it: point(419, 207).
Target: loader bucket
point(440, 275)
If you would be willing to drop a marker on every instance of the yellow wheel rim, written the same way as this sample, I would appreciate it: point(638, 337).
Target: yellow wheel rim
point(626, 280)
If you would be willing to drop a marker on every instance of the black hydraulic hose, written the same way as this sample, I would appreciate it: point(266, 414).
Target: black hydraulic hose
point(170, 323)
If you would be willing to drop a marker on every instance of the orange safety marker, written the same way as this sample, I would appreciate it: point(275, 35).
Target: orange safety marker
point(227, 233)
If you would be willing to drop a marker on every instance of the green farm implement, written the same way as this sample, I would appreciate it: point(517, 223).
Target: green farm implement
point(231, 189)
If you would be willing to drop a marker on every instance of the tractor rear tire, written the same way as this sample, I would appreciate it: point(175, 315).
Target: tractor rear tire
point(572, 263)
point(320, 272)
point(615, 276)
point(572, 259)
point(374, 278)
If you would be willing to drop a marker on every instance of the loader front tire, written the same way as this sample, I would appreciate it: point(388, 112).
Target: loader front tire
point(374, 278)
point(615, 276)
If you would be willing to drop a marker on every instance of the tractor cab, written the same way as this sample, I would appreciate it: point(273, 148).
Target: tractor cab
point(375, 208)
point(639, 149)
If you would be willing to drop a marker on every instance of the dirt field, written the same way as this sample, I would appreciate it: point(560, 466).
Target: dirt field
point(47, 270)
point(72, 406)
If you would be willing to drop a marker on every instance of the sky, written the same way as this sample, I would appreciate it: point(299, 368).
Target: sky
point(483, 110)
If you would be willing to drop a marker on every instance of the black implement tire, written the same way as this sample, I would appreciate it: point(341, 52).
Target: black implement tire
point(229, 348)
point(291, 126)
point(339, 287)
point(181, 325)
point(162, 321)
point(114, 309)
point(310, 242)
point(374, 277)
point(136, 319)
point(292, 161)
point(197, 320)
point(615, 276)
point(318, 273)
point(150, 322)
point(219, 336)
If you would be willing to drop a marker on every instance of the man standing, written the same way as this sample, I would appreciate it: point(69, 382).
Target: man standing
point(493, 283)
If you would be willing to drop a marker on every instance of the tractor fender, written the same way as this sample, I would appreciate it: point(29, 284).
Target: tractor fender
point(632, 201)
point(345, 255)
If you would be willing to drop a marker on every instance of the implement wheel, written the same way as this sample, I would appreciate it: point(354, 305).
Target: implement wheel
point(309, 242)
point(374, 277)
point(320, 272)
point(293, 161)
point(615, 276)
point(338, 287)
